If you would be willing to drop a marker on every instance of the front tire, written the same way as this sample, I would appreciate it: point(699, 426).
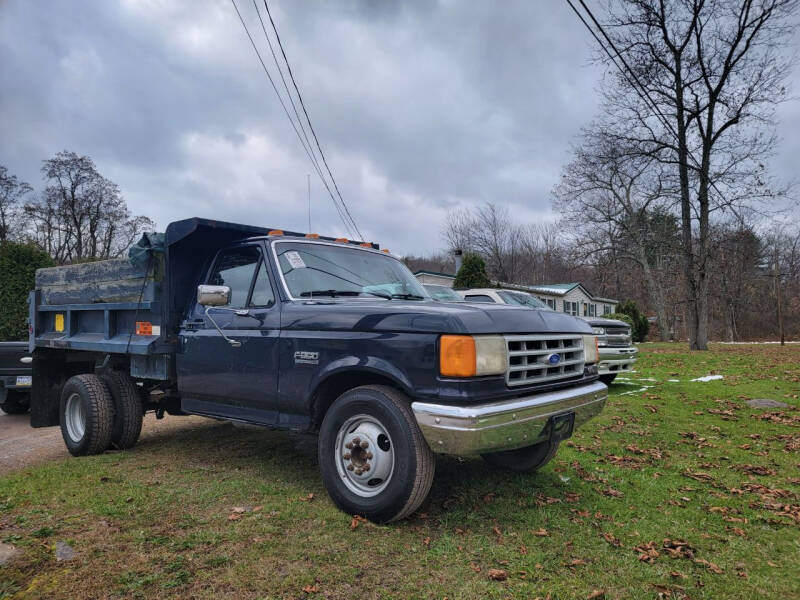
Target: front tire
point(14, 402)
point(609, 378)
point(523, 460)
point(128, 411)
point(373, 457)
point(87, 415)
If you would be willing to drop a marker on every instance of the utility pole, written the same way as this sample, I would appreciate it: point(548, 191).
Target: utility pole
point(779, 299)
point(309, 202)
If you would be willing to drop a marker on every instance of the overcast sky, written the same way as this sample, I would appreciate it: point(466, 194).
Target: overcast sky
point(420, 107)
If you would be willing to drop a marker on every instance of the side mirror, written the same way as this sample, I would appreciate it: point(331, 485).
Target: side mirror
point(213, 295)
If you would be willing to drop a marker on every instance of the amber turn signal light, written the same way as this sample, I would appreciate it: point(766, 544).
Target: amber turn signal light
point(457, 356)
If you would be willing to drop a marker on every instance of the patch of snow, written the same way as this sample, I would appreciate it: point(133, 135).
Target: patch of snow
point(755, 343)
point(707, 378)
point(674, 380)
point(644, 388)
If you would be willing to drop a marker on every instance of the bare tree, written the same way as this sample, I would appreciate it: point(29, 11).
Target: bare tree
point(616, 201)
point(81, 215)
point(488, 231)
point(12, 191)
point(712, 72)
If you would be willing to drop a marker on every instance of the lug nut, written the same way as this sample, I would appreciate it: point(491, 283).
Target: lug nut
point(346, 456)
point(367, 467)
point(364, 444)
point(349, 445)
point(368, 455)
point(350, 467)
point(359, 471)
point(356, 441)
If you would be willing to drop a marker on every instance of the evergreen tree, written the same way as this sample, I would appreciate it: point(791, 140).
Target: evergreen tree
point(472, 273)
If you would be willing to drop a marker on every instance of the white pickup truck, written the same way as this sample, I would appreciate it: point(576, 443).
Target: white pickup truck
point(614, 341)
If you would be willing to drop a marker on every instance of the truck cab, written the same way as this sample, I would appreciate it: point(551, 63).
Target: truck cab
point(312, 334)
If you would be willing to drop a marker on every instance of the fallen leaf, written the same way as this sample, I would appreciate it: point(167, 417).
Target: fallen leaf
point(498, 574)
point(234, 517)
point(611, 539)
point(356, 520)
point(596, 595)
point(310, 589)
point(307, 498)
point(710, 565)
point(497, 532)
point(541, 532)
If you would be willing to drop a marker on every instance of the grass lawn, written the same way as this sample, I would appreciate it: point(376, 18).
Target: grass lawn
point(679, 489)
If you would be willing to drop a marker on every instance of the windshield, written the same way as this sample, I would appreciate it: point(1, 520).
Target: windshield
point(442, 293)
point(522, 299)
point(337, 270)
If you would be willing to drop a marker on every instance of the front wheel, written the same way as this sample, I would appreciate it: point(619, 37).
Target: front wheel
point(87, 415)
point(609, 378)
point(372, 455)
point(523, 460)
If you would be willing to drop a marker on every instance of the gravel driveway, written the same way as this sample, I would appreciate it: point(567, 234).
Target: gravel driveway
point(21, 445)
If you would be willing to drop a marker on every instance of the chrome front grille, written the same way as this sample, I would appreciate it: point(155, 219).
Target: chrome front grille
point(617, 337)
point(531, 358)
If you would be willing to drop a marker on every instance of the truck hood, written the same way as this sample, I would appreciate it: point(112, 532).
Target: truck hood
point(606, 322)
point(425, 316)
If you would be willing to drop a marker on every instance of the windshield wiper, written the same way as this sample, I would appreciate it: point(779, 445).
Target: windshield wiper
point(408, 296)
point(335, 293)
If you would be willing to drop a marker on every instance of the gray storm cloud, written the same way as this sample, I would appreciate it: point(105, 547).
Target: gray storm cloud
point(420, 107)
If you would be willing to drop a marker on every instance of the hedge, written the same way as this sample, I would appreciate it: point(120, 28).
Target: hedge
point(18, 264)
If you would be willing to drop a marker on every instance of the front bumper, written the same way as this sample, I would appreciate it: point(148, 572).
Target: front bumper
point(506, 425)
point(616, 360)
point(14, 382)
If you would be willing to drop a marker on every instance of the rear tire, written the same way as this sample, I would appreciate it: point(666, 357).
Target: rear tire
point(608, 379)
point(86, 414)
point(14, 402)
point(373, 457)
point(128, 410)
point(523, 460)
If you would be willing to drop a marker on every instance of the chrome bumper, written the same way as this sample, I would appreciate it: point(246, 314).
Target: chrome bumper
point(504, 425)
point(616, 360)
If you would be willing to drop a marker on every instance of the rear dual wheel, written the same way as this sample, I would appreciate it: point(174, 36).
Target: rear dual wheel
point(100, 412)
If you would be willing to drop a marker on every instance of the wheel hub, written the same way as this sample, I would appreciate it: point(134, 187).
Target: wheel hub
point(364, 455)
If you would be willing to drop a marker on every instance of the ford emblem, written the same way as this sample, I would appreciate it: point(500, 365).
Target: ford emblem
point(554, 359)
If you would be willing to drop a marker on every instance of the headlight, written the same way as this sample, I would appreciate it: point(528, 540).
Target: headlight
point(472, 355)
point(590, 352)
point(598, 331)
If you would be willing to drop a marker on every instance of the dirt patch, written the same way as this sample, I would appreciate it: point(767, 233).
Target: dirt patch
point(21, 445)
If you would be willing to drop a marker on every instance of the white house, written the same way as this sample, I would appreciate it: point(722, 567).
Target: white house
point(571, 298)
point(435, 278)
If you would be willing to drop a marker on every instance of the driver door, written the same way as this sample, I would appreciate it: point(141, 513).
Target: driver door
point(215, 377)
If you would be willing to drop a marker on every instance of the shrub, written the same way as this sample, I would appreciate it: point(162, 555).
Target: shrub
point(18, 264)
point(472, 273)
point(638, 321)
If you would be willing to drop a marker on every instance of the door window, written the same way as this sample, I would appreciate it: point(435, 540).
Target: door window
point(235, 268)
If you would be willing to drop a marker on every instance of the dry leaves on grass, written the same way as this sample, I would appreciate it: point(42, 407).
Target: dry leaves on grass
point(307, 498)
point(498, 574)
point(753, 469)
point(709, 565)
point(611, 539)
point(647, 552)
point(610, 492)
point(541, 532)
point(310, 589)
point(596, 595)
point(356, 520)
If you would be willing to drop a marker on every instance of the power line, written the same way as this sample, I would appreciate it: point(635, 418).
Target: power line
point(309, 149)
point(638, 87)
point(311, 127)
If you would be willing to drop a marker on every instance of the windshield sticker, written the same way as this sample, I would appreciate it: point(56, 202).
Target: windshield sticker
point(295, 260)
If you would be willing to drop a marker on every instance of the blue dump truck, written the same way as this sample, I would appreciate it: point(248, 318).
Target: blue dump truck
point(309, 334)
